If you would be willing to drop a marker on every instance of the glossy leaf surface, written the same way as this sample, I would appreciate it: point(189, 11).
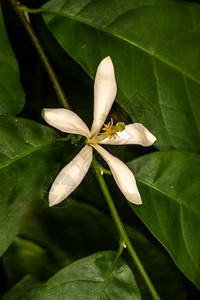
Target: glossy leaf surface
point(169, 185)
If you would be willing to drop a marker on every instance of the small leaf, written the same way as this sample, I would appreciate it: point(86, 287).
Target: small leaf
point(169, 186)
point(29, 158)
point(12, 96)
point(100, 276)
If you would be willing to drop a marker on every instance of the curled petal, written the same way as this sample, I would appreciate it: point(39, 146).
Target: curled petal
point(65, 120)
point(122, 175)
point(70, 176)
point(132, 134)
point(105, 90)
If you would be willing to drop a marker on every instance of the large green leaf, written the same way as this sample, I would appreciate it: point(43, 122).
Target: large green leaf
point(169, 185)
point(29, 158)
point(155, 47)
point(100, 276)
point(12, 96)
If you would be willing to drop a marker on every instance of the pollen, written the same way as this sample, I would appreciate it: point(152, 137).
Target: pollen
point(111, 131)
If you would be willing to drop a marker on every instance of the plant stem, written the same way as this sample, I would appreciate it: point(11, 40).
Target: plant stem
point(123, 235)
point(24, 20)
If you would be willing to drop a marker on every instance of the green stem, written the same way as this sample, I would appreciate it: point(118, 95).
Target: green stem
point(103, 170)
point(24, 20)
point(123, 235)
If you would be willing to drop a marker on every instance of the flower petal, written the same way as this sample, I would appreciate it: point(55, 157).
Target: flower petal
point(70, 176)
point(122, 175)
point(105, 90)
point(65, 120)
point(132, 134)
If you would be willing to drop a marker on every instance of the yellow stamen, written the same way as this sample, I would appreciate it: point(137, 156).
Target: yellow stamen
point(111, 130)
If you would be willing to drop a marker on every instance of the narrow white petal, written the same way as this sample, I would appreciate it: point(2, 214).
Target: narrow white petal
point(122, 175)
point(132, 134)
point(105, 90)
point(70, 176)
point(65, 120)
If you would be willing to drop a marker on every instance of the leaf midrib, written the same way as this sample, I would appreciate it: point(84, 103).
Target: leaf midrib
point(107, 278)
point(169, 196)
point(26, 153)
point(153, 54)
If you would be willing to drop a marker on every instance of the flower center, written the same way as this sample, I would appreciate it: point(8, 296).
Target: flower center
point(110, 131)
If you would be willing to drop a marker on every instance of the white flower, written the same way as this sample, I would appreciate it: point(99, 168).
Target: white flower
point(72, 174)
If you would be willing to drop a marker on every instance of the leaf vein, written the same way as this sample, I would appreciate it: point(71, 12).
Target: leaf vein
point(151, 53)
point(29, 152)
point(84, 7)
point(190, 104)
point(107, 278)
point(159, 100)
point(167, 195)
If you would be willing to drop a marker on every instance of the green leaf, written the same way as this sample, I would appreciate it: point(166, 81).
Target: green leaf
point(169, 186)
point(155, 47)
point(12, 96)
point(29, 157)
point(99, 276)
